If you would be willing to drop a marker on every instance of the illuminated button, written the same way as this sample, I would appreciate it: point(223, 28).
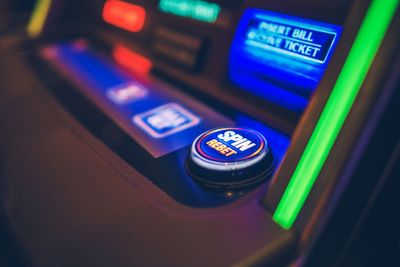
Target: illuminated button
point(126, 93)
point(229, 158)
point(166, 120)
point(194, 9)
point(132, 60)
point(125, 15)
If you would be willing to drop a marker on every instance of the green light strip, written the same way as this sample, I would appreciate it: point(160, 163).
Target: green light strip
point(36, 22)
point(194, 9)
point(344, 93)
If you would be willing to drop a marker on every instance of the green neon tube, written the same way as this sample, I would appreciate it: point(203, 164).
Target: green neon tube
point(36, 22)
point(366, 45)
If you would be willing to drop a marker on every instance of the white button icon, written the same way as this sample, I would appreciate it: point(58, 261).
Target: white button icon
point(126, 93)
point(166, 120)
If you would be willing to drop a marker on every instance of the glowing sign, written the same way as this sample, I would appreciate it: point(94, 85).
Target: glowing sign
point(281, 58)
point(296, 39)
point(124, 15)
point(194, 9)
point(166, 120)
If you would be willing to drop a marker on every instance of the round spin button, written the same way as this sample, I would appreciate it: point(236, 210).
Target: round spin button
point(230, 158)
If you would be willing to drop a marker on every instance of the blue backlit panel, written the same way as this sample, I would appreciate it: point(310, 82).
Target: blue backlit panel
point(157, 117)
point(281, 58)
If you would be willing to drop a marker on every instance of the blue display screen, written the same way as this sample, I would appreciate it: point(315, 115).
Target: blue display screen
point(281, 58)
point(308, 44)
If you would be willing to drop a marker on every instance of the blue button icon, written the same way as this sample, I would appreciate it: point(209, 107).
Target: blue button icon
point(166, 120)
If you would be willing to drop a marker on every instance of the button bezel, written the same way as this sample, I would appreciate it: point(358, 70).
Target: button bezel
point(242, 174)
point(208, 162)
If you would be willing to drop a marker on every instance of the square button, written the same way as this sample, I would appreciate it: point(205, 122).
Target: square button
point(166, 120)
point(126, 93)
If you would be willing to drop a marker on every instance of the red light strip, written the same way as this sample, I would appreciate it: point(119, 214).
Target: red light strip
point(132, 60)
point(124, 15)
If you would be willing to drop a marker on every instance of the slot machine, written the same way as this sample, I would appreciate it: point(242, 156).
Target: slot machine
point(202, 133)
